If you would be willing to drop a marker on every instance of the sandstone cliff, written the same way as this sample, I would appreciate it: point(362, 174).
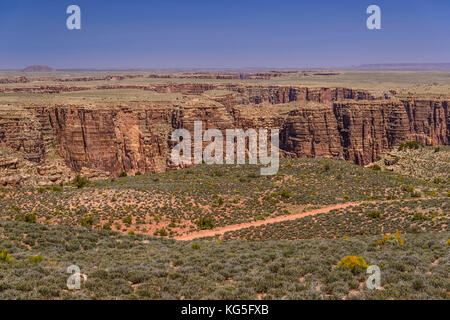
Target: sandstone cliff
point(342, 123)
point(360, 131)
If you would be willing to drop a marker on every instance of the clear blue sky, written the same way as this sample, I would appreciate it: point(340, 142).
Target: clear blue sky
point(221, 33)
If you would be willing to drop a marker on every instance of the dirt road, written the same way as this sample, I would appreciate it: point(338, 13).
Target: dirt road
point(222, 230)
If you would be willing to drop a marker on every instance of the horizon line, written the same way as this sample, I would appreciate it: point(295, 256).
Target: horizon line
point(404, 66)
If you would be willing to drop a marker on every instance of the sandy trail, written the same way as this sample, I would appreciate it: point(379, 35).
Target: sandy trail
point(222, 230)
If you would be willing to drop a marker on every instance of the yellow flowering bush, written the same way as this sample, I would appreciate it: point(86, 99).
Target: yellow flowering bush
point(391, 238)
point(354, 263)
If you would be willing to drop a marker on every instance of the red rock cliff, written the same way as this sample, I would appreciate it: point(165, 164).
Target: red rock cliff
point(343, 123)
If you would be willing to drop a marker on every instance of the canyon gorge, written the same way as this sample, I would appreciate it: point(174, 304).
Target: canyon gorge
point(133, 135)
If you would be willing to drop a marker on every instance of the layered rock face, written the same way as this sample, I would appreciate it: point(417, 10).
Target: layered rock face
point(360, 131)
point(332, 123)
point(429, 121)
point(21, 131)
point(311, 132)
point(114, 139)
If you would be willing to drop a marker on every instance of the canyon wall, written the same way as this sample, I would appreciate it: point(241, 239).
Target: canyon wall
point(359, 131)
point(342, 123)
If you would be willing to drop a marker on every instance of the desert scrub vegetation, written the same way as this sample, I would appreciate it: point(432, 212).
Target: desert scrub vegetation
point(119, 266)
point(226, 194)
point(365, 219)
point(429, 164)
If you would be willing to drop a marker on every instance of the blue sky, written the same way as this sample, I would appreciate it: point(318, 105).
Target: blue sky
point(222, 34)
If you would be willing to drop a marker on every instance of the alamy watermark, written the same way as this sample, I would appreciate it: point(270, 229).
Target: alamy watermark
point(239, 145)
point(74, 280)
point(374, 20)
point(374, 280)
point(73, 22)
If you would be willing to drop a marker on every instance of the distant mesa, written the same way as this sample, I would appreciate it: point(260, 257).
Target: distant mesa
point(38, 69)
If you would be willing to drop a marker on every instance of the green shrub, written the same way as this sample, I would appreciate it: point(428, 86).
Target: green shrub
point(87, 220)
point(5, 256)
point(409, 145)
point(56, 188)
point(285, 194)
point(36, 259)
point(418, 216)
point(122, 174)
point(138, 173)
point(215, 173)
point(162, 232)
point(418, 284)
point(80, 181)
point(375, 214)
point(28, 218)
point(195, 246)
point(408, 188)
point(375, 167)
point(416, 194)
point(205, 223)
point(128, 219)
